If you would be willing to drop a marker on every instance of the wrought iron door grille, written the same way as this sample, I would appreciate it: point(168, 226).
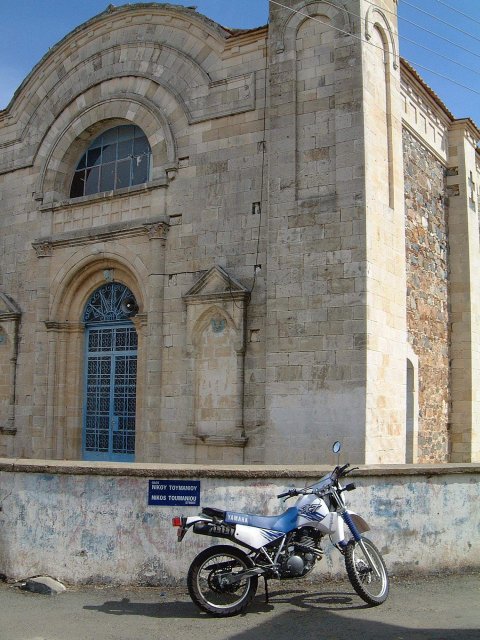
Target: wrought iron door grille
point(110, 403)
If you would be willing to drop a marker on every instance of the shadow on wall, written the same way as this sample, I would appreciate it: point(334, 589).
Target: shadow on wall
point(318, 615)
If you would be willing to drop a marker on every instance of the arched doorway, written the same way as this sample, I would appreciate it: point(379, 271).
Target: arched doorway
point(110, 377)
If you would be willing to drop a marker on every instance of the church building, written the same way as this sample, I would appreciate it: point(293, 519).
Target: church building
point(227, 246)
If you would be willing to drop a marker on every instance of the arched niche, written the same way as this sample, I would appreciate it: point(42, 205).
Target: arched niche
point(376, 18)
point(216, 314)
point(336, 14)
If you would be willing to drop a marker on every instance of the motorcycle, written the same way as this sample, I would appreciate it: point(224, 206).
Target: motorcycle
point(222, 580)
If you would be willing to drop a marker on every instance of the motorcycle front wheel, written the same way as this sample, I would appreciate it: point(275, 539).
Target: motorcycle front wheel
point(370, 582)
point(208, 581)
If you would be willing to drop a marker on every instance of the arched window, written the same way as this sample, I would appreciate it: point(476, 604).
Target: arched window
point(118, 158)
point(110, 378)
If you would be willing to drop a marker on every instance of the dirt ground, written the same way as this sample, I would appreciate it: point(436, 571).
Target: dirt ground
point(444, 607)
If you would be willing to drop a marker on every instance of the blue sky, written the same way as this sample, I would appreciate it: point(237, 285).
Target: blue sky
point(29, 27)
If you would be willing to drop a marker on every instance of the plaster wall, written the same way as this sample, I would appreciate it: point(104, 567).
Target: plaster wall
point(88, 523)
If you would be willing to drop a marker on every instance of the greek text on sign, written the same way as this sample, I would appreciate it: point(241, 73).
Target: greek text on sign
point(169, 493)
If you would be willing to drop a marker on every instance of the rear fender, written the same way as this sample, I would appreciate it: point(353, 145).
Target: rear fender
point(189, 522)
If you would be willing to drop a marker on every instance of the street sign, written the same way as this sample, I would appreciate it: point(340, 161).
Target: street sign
point(171, 493)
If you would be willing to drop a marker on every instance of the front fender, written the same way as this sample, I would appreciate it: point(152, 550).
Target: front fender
point(359, 522)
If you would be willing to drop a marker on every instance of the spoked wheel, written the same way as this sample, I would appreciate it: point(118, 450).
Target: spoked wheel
point(209, 581)
point(367, 572)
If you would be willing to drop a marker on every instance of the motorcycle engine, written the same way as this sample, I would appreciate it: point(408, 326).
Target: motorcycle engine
point(298, 559)
point(297, 565)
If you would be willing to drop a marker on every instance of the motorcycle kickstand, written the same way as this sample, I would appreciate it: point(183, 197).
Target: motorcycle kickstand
point(266, 589)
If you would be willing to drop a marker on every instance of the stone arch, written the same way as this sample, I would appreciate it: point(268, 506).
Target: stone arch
point(376, 18)
point(61, 151)
point(337, 14)
point(166, 66)
point(72, 287)
point(121, 24)
point(81, 275)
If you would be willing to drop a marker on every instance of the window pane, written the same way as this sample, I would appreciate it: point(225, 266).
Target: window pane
point(125, 149)
point(83, 162)
point(109, 153)
point(141, 146)
point(107, 177)
point(93, 156)
point(140, 169)
point(91, 184)
point(110, 136)
point(123, 173)
point(126, 132)
point(78, 184)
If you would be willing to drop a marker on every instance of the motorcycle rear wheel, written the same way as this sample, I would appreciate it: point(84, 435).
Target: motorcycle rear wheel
point(205, 585)
point(372, 588)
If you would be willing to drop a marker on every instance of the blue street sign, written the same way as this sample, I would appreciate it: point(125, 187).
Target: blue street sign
point(171, 493)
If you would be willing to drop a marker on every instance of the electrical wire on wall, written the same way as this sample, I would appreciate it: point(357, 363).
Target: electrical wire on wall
point(257, 267)
point(371, 44)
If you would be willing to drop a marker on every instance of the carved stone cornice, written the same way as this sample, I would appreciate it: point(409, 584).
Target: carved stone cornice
point(103, 233)
point(64, 327)
point(43, 249)
point(156, 230)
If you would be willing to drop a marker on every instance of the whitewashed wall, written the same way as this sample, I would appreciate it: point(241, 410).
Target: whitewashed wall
point(87, 523)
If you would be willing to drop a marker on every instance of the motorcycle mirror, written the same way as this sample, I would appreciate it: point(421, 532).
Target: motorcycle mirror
point(336, 447)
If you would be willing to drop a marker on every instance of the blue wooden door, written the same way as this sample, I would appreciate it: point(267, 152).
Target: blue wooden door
point(110, 379)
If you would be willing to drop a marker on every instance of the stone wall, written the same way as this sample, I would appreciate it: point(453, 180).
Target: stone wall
point(428, 293)
point(88, 523)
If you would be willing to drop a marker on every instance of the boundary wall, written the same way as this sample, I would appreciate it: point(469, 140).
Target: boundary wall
point(90, 522)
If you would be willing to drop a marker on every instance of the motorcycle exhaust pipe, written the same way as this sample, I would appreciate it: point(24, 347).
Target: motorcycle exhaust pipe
point(215, 530)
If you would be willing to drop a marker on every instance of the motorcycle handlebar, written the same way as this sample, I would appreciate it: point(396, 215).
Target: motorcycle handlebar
point(288, 494)
point(341, 470)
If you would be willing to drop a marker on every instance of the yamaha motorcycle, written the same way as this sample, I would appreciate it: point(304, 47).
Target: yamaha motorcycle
point(222, 579)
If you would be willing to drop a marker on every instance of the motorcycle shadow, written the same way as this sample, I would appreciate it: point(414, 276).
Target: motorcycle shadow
point(311, 599)
point(186, 609)
point(125, 607)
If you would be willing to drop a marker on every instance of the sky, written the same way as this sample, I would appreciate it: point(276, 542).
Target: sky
point(440, 39)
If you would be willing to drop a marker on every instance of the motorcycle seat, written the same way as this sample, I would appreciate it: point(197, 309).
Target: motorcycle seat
point(284, 522)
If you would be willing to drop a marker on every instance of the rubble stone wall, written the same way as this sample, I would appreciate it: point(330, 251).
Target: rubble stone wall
point(426, 240)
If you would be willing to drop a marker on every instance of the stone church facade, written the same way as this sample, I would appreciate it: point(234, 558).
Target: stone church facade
point(224, 246)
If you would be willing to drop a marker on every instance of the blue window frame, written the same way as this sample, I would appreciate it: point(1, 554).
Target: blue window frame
point(110, 376)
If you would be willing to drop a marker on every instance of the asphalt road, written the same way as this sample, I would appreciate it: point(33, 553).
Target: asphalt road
point(446, 607)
